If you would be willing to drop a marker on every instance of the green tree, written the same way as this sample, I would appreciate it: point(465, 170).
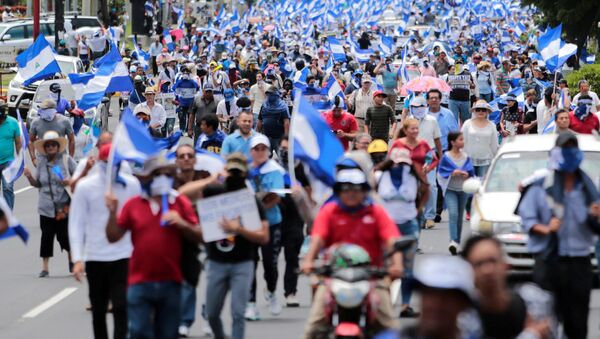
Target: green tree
point(579, 17)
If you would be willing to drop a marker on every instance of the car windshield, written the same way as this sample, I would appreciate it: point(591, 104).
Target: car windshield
point(511, 168)
point(66, 67)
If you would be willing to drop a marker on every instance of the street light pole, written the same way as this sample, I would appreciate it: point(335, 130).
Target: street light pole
point(36, 19)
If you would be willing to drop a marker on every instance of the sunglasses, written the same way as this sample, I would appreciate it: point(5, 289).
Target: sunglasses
point(351, 187)
point(481, 110)
point(50, 144)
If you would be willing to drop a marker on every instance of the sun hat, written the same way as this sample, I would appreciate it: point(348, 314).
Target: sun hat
point(481, 104)
point(50, 136)
point(400, 155)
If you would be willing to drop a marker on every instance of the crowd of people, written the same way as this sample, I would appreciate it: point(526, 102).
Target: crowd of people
point(231, 92)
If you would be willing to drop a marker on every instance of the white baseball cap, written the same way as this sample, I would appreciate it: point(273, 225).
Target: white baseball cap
point(259, 139)
point(446, 273)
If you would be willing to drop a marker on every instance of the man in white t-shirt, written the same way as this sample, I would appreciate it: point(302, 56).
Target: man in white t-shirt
point(429, 130)
point(584, 89)
point(257, 95)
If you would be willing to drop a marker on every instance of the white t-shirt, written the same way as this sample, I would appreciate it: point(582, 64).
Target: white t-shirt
point(481, 144)
point(258, 97)
point(595, 99)
point(429, 129)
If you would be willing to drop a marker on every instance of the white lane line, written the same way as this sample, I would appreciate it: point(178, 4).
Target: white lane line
point(50, 302)
point(24, 189)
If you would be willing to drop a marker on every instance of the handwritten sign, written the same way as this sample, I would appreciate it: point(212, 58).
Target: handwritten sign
point(230, 205)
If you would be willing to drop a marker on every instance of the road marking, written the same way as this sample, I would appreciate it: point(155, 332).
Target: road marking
point(50, 302)
point(24, 189)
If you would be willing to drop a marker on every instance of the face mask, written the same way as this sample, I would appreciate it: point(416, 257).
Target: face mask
point(419, 112)
point(582, 110)
point(161, 185)
point(527, 75)
point(283, 157)
point(572, 158)
point(458, 69)
point(47, 114)
point(235, 182)
point(261, 82)
point(185, 76)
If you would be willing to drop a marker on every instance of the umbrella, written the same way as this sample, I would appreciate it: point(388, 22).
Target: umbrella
point(268, 28)
point(424, 84)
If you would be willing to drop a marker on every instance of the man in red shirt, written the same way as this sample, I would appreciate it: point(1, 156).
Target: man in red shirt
point(582, 119)
point(154, 291)
point(343, 124)
point(352, 217)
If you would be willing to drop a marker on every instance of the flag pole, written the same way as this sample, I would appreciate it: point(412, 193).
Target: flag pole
point(554, 86)
point(291, 142)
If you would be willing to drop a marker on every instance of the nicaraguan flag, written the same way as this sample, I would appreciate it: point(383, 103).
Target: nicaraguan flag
point(209, 161)
point(300, 78)
point(120, 81)
point(14, 227)
point(386, 45)
point(180, 14)
point(149, 8)
point(170, 144)
point(550, 127)
point(37, 62)
point(132, 140)
point(333, 89)
point(168, 39)
point(234, 24)
point(446, 167)
point(142, 56)
point(14, 170)
point(337, 50)
point(549, 45)
point(314, 143)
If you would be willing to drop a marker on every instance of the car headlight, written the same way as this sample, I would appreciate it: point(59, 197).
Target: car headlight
point(349, 295)
point(506, 227)
point(14, 84)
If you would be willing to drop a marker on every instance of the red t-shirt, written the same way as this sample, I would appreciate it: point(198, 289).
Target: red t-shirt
point(418, 154)
point(156, 249)
point(370, 228)
point(346, 122)
point(589, 124)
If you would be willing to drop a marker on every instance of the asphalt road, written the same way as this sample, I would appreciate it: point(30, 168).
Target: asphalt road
point(54, 307)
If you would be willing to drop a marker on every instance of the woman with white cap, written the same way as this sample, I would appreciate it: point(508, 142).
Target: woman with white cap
point(481, 137)
point(52, 179)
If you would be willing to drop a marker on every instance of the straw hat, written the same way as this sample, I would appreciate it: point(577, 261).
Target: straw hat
point(481, 104)
point(50, 136)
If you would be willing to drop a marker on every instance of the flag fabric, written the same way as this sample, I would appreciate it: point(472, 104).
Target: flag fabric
point(170, 144)
point(132, 140)
point(37, 62)
point(337, 50)
point(209, 161)
point(446, 167)
point(314, 143)
point(142, 56)
point(550, 127)
point(387, 45)
point(120, 81)
point(549, 45)
point(300, 78)
point(14, 227)
point(168, 39)
point(15, 169)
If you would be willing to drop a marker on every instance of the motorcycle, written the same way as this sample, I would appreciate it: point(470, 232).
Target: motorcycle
point(352, 305)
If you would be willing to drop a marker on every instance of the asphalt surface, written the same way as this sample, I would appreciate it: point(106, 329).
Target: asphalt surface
point(54, 307)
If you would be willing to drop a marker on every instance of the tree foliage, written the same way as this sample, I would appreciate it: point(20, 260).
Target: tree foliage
point(579, 17)
point(591, 73)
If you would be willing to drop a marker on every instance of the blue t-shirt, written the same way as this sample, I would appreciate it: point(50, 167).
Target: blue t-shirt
point(273, 179)
point(62, 106)
point(9, 130)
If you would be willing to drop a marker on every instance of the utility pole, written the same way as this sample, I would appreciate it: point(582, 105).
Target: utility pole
point(59, 20)
point(36, 19)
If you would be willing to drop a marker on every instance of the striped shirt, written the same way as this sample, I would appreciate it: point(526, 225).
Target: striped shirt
point(362, 101)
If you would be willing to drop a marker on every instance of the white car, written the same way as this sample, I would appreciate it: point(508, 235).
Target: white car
point(496, 197)
point(19, 94)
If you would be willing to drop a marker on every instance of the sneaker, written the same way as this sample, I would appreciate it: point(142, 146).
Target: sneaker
point(252, 312)
point(292, 301)
point(409, 313)
point(207, 331)
point(453, 247)
point(438, 218)
point(429, 224)
point(184, 331)
point(274, 305)
point(44, 274)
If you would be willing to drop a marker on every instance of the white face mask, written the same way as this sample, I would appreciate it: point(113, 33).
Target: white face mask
point(47, 114)
point(54, 96)
point(185, 76)
point(161, 185)
point(419, 112)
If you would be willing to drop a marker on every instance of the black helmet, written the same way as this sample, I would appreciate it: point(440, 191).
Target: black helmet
point(55, 88)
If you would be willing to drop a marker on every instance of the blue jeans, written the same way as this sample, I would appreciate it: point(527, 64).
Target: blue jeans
point(7, 188)
point(431, 205)
point(461, 110)
point(408, 260)
point(188, 304)
point(455, 201)
point(487, 97)
point(154, 310)
point(169, 125)
point(598, 250)
point(220, 278)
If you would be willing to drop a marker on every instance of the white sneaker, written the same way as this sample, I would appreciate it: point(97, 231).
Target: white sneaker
point(252, 312)
point(274, 305)
point(184, 331)
point(292, 301)
point(453, 247)
point(207, 331)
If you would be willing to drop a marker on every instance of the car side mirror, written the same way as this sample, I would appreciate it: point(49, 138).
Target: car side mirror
point(472, 185)
point(25, 102)
point(6, 37)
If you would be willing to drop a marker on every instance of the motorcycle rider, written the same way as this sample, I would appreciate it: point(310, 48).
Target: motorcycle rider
point(185, 88)
point(351, 216)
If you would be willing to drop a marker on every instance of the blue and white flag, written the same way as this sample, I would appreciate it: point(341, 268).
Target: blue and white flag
point(333, 89)
point(550, 127)
point(300, 78)
point(446, 167)
point(209, 161)
point(14, 227)
point(149, 8)
point(170, 144)
point(15, 169)
point(337, 50)
point(132, 140)
point(386, 45)
point(549, 45)
point(142, 56)
point(234, 23)
point(180, 15)
point(37, 62)
point(314, 143)
point(168, 39)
